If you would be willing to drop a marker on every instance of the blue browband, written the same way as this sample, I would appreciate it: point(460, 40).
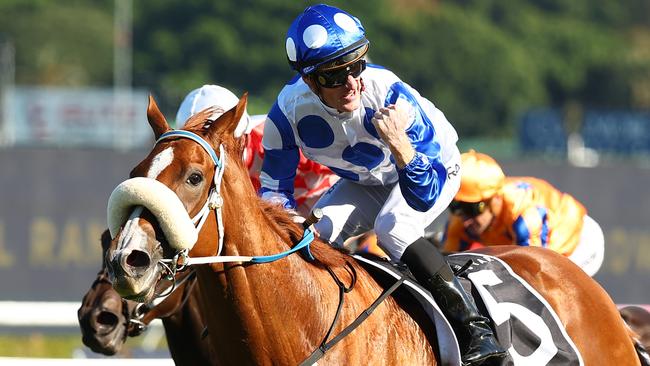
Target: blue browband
point(192, 136)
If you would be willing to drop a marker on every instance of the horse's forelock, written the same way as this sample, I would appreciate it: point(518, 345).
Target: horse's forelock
point(198, 122)
point(202, 124)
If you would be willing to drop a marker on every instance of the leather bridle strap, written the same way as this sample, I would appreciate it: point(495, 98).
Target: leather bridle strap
point(214, 201)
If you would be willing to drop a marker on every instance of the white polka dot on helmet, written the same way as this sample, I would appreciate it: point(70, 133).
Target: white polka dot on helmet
point(321, 34)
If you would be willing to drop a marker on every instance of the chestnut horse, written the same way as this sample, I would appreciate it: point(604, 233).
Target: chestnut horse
point(279, 312)
point(105, 319)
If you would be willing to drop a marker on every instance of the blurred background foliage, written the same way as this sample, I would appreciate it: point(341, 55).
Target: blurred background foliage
point(483, 62)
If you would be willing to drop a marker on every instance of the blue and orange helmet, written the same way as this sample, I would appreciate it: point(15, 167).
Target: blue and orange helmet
point(324, 35)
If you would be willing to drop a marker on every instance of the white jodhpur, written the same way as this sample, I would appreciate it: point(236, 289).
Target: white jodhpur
point(351, 209)
point(590, 252)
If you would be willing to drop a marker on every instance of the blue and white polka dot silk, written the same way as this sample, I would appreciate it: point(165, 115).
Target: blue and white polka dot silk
point(349, 144)
point(320, 34)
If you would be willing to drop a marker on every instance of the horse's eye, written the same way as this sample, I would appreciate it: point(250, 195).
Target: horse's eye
point(195, 179)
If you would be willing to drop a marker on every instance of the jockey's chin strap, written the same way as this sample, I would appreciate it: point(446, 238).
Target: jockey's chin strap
point(215, 202)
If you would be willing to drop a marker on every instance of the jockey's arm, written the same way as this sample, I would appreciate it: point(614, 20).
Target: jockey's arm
point(409, 134)
point(531, 228)
point(281, 158)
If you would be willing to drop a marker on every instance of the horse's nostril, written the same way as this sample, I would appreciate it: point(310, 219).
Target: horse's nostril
point(107, 318)
point(138, 258)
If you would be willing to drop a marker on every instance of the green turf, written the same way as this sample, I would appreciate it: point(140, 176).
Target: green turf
point(39, 345)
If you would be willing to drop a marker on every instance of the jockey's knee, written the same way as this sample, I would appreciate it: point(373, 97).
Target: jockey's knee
point(391, 239)
point(384, 226)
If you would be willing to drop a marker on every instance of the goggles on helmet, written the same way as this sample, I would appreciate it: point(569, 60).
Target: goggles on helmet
point(333, 78)
point(467, 209)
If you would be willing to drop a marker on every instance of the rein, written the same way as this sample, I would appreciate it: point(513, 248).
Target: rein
point(182, 259)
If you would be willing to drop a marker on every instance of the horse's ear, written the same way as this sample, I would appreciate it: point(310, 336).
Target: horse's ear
point(227, 123)
point(156, 119)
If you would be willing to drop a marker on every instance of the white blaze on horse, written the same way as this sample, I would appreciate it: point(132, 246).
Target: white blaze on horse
point(201, 204)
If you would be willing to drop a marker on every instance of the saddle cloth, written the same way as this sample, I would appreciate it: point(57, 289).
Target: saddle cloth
point(525, 324)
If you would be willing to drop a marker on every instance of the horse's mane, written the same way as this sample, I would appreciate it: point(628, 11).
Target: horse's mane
point(323, 252)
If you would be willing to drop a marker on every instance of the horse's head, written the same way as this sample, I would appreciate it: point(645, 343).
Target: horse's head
point(161, 210)
point(102, 319)
point(102, 316)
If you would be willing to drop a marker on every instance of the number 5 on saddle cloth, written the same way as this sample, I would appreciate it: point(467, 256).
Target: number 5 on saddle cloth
point(524, 323)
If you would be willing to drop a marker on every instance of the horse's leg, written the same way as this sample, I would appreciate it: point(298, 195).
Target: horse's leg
point(588, 313)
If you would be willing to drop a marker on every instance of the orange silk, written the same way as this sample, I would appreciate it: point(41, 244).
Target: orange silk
point(534, 214)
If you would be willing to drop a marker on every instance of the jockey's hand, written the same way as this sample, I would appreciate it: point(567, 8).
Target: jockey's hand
point(295, 216)
point(391, 123)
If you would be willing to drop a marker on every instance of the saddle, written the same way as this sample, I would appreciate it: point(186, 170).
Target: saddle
point(524, 323)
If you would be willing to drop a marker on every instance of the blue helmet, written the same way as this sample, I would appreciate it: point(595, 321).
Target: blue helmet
point(322, 34)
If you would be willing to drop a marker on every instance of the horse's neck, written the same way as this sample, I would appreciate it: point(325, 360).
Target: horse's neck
point(248, 230)
point(279, 312)
point(258, 236)
point(270, 305)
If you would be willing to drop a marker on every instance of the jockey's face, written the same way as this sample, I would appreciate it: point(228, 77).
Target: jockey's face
point(344, 98)
point(479, 224)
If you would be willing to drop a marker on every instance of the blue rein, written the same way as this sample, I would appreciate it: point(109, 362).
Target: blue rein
point(303, 246)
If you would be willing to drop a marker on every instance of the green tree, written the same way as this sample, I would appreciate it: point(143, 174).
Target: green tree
point(482, 62)
point(60, 43)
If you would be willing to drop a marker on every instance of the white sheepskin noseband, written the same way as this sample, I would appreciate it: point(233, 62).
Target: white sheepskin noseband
point(161, 201)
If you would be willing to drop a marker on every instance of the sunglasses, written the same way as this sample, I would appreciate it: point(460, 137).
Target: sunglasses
point(467, 209)
point(339, 76)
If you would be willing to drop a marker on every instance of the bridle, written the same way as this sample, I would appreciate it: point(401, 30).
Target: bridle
point(136, 323)
point(215, 202)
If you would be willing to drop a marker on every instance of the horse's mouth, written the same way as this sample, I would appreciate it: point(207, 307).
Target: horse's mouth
point(106, 345)
point(139, 290)
point(104, 337)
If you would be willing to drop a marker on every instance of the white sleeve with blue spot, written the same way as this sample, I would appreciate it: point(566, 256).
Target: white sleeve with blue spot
point(281, 158)
point(422, 179)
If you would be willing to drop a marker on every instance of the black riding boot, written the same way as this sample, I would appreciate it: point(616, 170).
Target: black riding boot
point(432, 271)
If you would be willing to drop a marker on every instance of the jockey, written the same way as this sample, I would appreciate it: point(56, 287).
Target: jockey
point(395, 151)
point(312, 179)
point(493, 209)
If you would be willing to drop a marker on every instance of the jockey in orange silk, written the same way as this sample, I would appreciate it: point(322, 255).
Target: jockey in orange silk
point(493, 209)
